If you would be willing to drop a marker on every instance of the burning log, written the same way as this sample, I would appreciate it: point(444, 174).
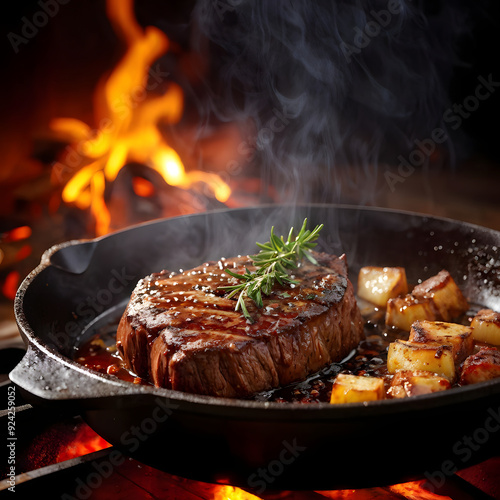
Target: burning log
point(129, 117)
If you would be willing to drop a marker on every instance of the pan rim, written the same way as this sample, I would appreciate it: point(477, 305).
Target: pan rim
point(299, 410)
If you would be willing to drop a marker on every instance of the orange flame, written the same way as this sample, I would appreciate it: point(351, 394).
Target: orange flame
point(142, 187)
point(17, 234)
point(11, 284)
point(86, 441)
point(232, 493)
point(128, 117)
point(413, 490)
point(416, 491)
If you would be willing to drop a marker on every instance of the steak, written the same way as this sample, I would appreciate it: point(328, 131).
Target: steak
point(181, 332)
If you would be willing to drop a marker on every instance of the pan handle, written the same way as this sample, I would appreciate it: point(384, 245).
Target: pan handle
point(46, 376)
point(72, 256)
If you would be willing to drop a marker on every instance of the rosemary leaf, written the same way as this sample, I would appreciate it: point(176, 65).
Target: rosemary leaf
point(273, 261)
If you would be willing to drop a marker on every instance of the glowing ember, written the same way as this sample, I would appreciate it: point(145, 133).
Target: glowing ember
point(23, 252)
point(232, 493)
point(142, 187)
point(416, 491)
point(16, 234)
point(368, 494)
point(128, 117)
point(86, 441)
point(10, 285)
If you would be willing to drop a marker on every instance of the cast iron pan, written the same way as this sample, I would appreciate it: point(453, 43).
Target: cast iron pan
point(82, 285)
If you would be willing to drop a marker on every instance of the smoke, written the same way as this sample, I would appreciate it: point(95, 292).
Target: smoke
point(334, 88)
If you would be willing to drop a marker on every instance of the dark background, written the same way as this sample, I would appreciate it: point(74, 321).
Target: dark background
point(55, 72)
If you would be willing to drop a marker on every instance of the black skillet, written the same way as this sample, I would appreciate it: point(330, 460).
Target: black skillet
point(82, 285)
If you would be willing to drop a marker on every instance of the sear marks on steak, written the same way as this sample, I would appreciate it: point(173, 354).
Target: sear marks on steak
point(179, 331)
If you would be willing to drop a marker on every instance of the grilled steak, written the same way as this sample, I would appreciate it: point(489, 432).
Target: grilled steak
point(180, 331)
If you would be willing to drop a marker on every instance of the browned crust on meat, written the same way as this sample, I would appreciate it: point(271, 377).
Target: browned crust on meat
point(481, 366)
point(181, 332)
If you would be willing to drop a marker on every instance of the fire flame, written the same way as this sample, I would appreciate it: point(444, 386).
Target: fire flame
point(413, 490)
point(15, 249)
point(11, 284)
point(86, 441)
point(232, 493)
point(416, 491)
point(128, 117)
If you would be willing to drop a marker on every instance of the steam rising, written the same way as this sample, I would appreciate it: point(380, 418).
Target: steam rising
point(330, 84)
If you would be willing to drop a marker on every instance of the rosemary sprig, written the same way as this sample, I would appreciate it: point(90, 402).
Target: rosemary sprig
point(273, 261)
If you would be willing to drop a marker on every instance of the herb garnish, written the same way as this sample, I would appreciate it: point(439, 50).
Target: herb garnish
point(272, 262)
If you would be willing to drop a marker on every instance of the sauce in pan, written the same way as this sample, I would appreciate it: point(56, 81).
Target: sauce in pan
point(100, 354)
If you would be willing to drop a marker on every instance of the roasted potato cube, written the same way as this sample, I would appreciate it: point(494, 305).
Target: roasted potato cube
point(378, 284)
point(431, 357)
point(458, 336)
point(402, 312)
point(412, 383)
point(484, 365)
point(486, 327)
point(445, 294)
point(356, 389)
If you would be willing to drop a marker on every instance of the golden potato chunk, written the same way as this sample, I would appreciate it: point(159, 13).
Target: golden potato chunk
point(458, 336)
point(402, 312)
point(431, 357)
point(486, 327)
point(408, 383)
point(378, 284)
point(482, 366)
point(442, 290)
point(356, 389)
point(437, 298)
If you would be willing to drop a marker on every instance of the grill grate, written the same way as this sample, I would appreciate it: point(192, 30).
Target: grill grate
point(59, 453)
